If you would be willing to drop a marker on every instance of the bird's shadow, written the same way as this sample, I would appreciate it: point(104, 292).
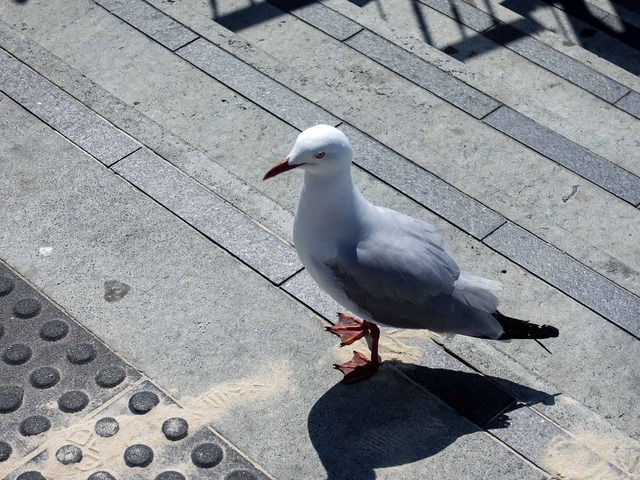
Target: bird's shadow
point(389, 420)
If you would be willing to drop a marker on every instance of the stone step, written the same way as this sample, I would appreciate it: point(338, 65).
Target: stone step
point(607, 20)
point(341, 97)
point(599, 264)
point(607, 262)
point(559, 43)
point(537, 75)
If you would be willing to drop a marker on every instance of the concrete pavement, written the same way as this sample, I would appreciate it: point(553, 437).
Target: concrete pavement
point(148, 276)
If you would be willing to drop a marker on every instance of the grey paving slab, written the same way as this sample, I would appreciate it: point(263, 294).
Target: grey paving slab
point(156, 137)
point(630, 103)
point(52, 370)
point(179, 121)
point(557, 62)
point(423, 74)
point(548, 446)
point(614, 26)
point(63, 112)
point(507, 77)
point(462, 12)
point(192, 270)
point(479, 398)
point(321, 17)
point(257, 87)
point(543, 18)
point(596, 292)
point(154, 23)
point(563, 151)
point(586, 400)
point(471, 394)
point(390, 439)
point(142, 435)
point(424, 187)
point(553, 29)
point(217, 219)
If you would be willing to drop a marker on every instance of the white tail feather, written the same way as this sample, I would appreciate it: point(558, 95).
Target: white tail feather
point(476, 292)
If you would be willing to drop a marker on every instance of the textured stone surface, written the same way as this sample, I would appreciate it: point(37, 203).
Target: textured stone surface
point(175, 428)
point(232, 348)
point(147, 19)
point(138, 456)
point(212, 216)
point(423, 74)
point(69, 454)
point(244, 400)
point(463, 12)
point(596, 292)
point(136, 451)
point(143, 402)
point(169, 144)
point(63, 112)
point(557, 62)
point(542, 17)
point(473, 395)
point(566, 153)
point(424, 187)
point(206, 455)
point(107, 427)
point(254, 85)
point(320, 16)
point(549, 447)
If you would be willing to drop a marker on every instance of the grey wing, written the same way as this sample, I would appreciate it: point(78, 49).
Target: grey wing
point(397, 276)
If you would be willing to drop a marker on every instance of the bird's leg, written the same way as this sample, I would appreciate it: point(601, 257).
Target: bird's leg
point(350, 329)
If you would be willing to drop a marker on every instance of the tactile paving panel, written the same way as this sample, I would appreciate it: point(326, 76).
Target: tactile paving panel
point(141, 435)
point(71, 408)
point(52, 371)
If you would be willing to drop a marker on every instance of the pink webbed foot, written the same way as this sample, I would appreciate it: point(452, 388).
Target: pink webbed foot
point(350, 329)
point(357, 369)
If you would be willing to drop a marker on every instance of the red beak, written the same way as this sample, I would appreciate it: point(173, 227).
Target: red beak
point(283, 166)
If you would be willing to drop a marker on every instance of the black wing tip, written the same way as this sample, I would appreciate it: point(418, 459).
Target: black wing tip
point(521, 329)
point(550, 331)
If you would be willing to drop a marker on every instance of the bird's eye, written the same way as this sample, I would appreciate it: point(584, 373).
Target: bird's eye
point(320, 155)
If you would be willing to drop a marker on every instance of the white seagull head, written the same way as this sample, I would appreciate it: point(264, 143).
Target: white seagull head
point(319, 150)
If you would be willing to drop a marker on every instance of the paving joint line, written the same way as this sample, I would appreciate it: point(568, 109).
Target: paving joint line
point(280, 284)
point(110, 167)
point(497, 228)
point(181, 46)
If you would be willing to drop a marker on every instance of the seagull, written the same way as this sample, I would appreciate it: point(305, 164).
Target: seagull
point(386, 267)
